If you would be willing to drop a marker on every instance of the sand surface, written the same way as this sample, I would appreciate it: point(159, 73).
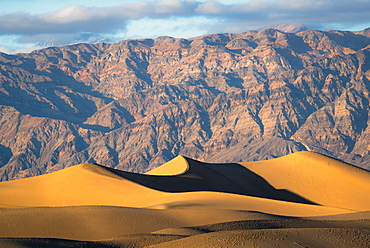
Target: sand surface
point(300, 200)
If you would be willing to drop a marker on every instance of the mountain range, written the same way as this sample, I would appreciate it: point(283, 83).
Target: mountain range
point(136, 104)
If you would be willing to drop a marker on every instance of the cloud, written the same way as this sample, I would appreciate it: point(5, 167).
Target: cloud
point(275, 9)
point(173, 7)
point(211, 8)
point(72, 14)
point(68, 20)
point(89, 19)
point(235, 16)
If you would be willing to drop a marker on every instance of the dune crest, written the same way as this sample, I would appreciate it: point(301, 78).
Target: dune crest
point(110, 208)
point(176, 166)
point(321, 179)
point(306, 182)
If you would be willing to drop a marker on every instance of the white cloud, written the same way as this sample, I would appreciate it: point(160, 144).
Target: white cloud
point(213, 8)
point(185, 27)
point(169, 7)
point(70, 14)
point(77, 18)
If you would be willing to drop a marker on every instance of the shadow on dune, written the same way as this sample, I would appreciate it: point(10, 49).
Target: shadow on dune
point(228, 178)
point(49, 243)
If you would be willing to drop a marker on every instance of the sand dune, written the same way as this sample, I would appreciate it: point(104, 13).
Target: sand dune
point(321, 179)
point(93, 203)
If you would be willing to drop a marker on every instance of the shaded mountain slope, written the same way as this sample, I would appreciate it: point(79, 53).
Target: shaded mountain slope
point(219, 98)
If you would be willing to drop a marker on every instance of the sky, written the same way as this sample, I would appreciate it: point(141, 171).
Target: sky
point(24, 24)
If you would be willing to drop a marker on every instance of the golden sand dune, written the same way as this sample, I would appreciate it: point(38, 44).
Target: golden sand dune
point(89, 202)
point(320, 179)
point(303, 180)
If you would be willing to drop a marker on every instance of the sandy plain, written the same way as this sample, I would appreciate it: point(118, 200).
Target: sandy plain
point(300, 200)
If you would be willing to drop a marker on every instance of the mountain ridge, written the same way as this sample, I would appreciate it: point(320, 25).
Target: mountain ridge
point(136, 104)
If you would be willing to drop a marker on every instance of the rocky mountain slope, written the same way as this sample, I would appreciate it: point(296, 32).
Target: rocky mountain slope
point(218, 98)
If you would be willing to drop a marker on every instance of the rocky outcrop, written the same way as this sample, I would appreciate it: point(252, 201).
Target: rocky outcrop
point(219, 98)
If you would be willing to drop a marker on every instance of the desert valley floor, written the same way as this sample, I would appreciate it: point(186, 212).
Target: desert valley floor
point(300, 200)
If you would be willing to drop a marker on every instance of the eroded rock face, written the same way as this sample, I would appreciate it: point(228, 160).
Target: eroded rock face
point(219, 98)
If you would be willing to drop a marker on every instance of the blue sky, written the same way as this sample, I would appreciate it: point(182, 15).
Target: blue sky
point(25, 23)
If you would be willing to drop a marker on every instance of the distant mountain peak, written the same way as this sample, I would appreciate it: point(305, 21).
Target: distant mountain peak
point(51, 43)
point(288, 27)
point(83, 38)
